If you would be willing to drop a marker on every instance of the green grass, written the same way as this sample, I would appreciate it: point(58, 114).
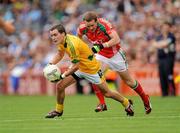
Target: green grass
point(25, 114)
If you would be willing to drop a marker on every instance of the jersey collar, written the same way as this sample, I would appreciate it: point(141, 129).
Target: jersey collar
point(65, 43)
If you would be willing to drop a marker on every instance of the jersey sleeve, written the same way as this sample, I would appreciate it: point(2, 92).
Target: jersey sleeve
point(107, 25)
point(81, 29)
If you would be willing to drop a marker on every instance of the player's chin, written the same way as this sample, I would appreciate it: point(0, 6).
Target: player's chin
point(93, 30)
point(55, 42)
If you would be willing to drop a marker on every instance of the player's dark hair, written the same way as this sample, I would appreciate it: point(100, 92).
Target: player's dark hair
point(60, 28)
point(89, 16)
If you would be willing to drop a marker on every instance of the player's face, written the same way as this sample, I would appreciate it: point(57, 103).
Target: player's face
point(92, 25)
point(56, 37)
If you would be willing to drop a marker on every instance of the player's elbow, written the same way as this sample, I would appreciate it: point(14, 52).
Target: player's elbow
point(118, 40)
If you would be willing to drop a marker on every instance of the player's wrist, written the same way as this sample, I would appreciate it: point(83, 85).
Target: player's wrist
point(95, 49)
point(62, 76)
point(101, 46)
point(105, 45)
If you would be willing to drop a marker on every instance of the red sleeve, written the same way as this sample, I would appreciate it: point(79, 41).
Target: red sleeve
point(80, 29)
point(106, 24)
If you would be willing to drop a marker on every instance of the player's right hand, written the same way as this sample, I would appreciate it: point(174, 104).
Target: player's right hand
point(97, 47)
point(60, 78)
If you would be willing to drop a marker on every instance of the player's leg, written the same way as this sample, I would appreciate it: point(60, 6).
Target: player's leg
point(102, 105)
point(60, 95)
point(136, 86)
point(118, 63)
point(163, 77)
point(169, 70)
point(117, 96)
point(100, 81)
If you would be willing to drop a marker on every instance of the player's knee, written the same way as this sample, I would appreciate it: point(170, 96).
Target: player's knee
point(130, 83)
point(108, 95)
point(59, 86)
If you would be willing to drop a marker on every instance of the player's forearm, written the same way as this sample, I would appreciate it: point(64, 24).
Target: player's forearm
point(56, 59)
point(161, 44)
point(71, 69)
point(113, 41)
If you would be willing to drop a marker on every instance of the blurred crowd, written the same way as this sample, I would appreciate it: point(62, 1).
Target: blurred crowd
point(137, 23)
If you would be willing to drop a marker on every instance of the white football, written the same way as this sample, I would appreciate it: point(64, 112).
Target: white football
point(52, 72)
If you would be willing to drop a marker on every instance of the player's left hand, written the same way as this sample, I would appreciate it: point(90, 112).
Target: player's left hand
point(57, 80)
point(97, 47)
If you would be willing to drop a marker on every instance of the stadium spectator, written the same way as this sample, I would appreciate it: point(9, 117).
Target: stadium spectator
point(166, 48)
point(106, 43)
point(84, 65)
point(7, 26)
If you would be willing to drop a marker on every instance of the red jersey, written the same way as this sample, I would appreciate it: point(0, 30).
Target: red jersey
point(101, 35)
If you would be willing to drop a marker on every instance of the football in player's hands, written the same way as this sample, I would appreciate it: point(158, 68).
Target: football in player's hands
point(52, 73)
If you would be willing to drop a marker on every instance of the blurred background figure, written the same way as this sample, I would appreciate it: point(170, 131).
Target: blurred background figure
point(166, 45)
point(83, 87)
point(7, 26)
point(21, 67)
point(111, 79)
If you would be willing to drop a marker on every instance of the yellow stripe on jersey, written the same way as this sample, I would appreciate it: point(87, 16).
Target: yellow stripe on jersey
point(79, 51)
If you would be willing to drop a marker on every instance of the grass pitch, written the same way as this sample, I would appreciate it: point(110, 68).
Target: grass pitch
point(25, 114)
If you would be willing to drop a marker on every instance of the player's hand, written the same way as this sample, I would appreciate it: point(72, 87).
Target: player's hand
point(49, 64)
point(97, 47)
point(57, 80)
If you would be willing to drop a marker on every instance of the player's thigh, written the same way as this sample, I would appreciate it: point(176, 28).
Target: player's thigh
point(126, 77)
point(96, 78)
point(116, 63)
point(103, 87)
point(67, 81)
point(104, 62)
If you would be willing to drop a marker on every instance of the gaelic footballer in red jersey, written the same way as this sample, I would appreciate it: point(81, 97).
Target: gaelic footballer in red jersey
point(106, 43)
point(99, 32)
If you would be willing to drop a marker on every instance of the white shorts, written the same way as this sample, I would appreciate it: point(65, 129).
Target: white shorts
point(117, 63)
point(97, 78)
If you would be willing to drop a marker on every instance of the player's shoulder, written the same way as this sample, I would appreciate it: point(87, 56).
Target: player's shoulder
point(104, 22)
point(72, 37)
point(82, 26)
